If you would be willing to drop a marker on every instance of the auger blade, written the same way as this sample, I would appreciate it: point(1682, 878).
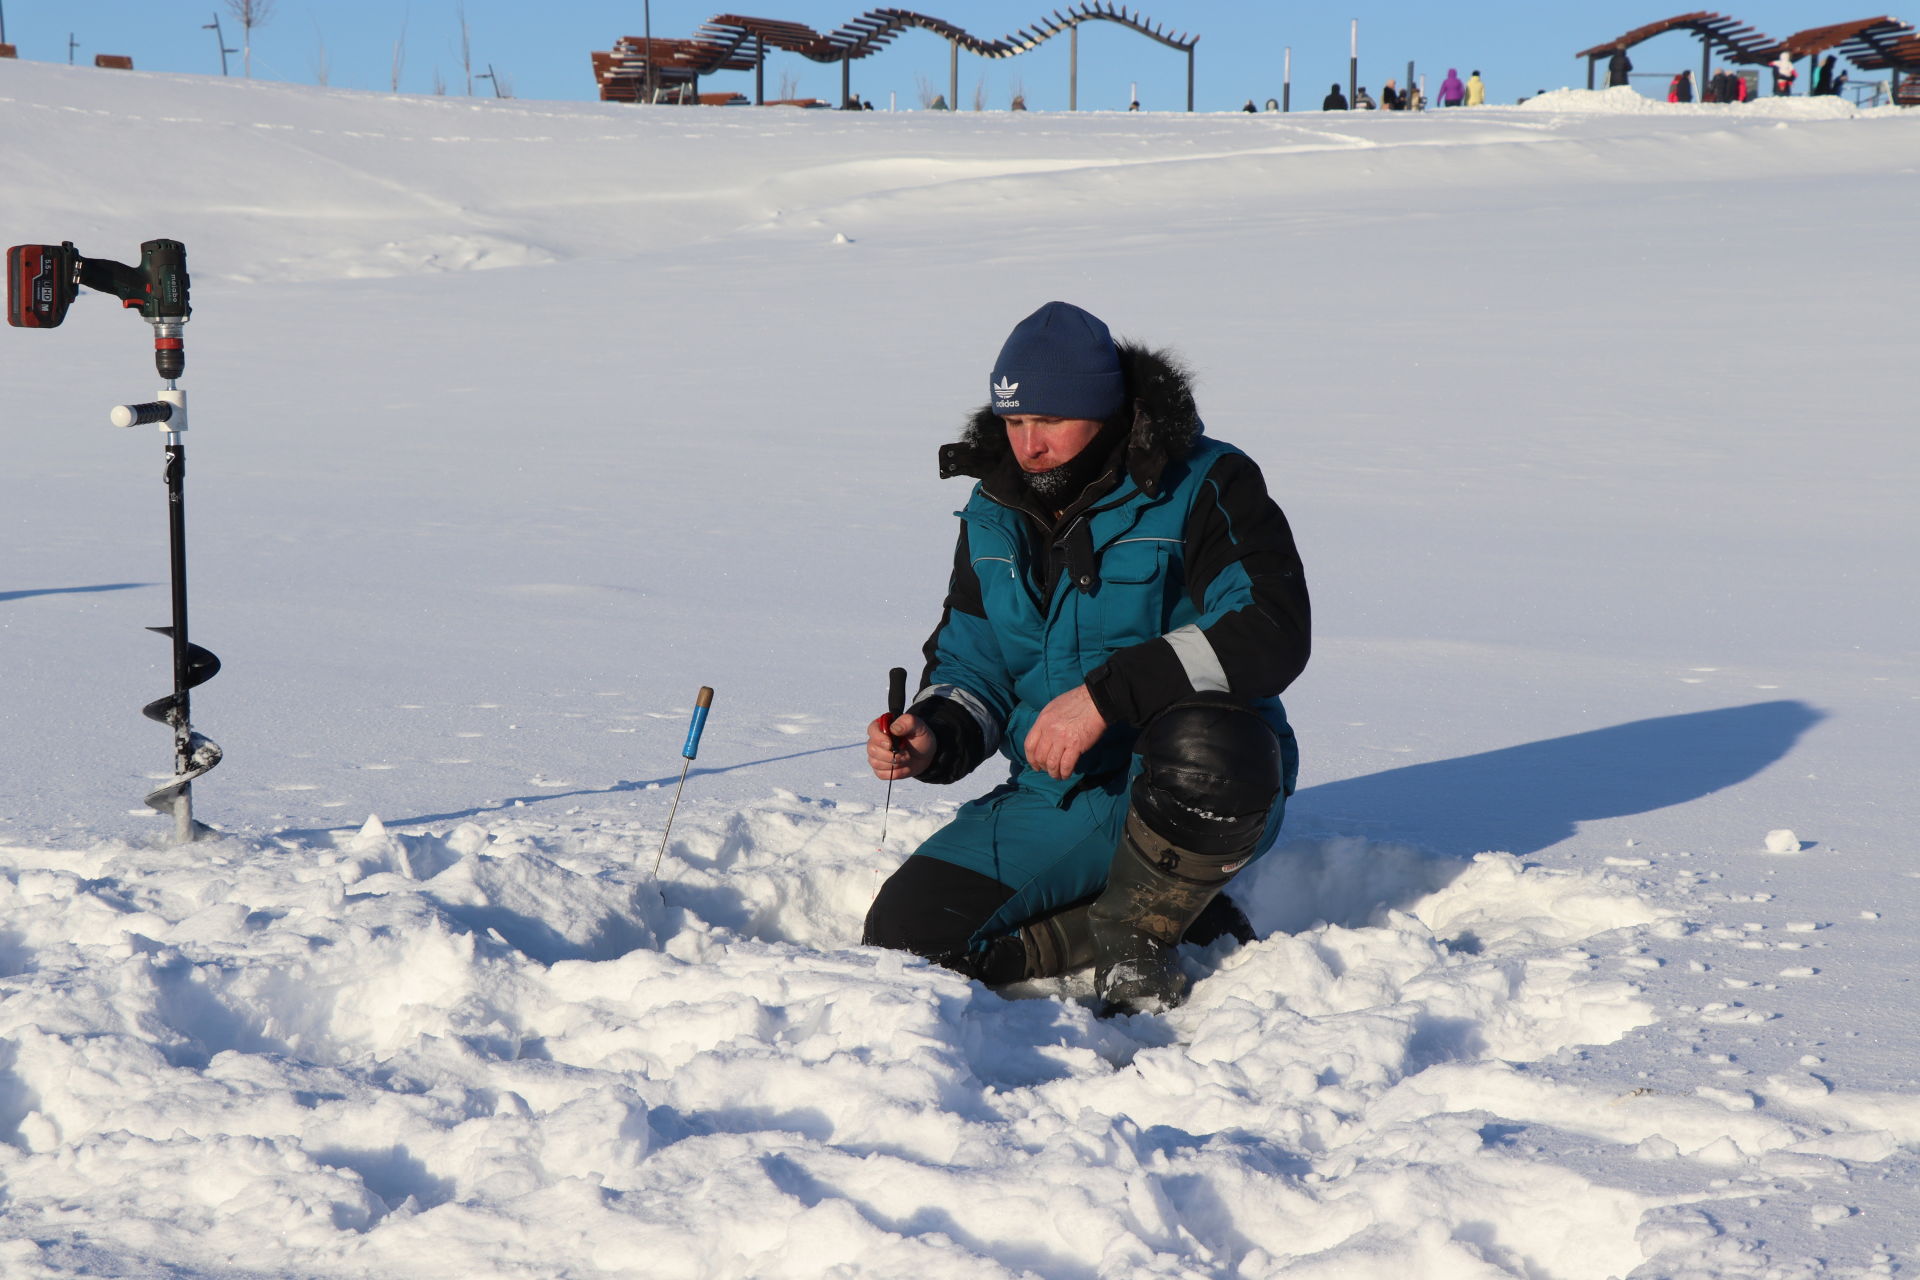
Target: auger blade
point(202, 666)
point(202, 754)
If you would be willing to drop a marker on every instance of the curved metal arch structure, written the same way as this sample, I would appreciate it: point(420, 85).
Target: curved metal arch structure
point(732, 42)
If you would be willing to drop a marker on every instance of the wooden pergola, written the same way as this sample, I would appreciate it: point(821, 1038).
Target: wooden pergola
point(1736, 41)
point(1891, 47)
point(1871, 44)
point(732, 42)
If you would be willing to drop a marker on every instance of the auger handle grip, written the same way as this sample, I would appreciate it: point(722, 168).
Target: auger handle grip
point(141, 415)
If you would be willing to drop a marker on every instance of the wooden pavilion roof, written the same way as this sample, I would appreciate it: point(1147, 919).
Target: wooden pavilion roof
point(1873, 35)
point(1736, 40)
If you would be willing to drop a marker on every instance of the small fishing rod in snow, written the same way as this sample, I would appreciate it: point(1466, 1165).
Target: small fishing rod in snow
point(896, 703)
point(42, 282)
point(700, 705)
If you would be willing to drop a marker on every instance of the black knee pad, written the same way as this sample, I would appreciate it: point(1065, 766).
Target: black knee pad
point(1210, 772)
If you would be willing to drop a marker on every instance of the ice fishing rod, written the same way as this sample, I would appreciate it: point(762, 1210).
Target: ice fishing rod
point(896, 703)
point(42, 282)
point(701, 703)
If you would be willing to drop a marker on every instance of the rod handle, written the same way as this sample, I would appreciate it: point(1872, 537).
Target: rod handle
point(896, 696)
point(701, 703)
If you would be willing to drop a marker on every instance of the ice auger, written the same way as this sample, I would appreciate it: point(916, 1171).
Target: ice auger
point(42, 281)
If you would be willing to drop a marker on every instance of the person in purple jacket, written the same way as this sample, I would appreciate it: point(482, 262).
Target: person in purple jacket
point(1453, 91)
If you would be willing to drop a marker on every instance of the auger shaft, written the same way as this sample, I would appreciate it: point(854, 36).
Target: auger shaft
point(193, 753)
point(182, 717)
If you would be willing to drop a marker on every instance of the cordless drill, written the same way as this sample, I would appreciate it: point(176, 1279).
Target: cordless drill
point(44, 279)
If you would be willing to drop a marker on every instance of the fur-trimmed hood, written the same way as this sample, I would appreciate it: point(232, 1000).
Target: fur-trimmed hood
point(1165, 423)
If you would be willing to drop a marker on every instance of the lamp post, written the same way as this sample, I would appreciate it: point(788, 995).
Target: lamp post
point(646, 19)
point(220, 39)
point(1353, 66)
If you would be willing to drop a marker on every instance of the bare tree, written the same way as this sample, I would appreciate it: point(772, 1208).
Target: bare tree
point(789, 86)
point(322, 69)
point(466, 46)
point(399, 55)
point(980, 94)
point(439, 84)
point(249, 14)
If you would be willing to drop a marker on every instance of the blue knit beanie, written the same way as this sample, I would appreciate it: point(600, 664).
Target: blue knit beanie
point(1060, 362)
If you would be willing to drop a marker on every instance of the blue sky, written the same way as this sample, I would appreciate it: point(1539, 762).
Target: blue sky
point(541, 50)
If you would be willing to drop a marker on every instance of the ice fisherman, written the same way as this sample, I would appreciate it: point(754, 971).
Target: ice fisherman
point(1126, 605)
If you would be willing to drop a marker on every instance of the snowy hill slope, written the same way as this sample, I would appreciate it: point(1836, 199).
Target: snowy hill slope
point(516, 422)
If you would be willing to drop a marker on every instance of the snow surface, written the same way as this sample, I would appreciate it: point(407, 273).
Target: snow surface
point(514, 423)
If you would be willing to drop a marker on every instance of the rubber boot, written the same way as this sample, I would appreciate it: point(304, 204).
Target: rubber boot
point(1057, 944)
point(1063, 942)
point(1155, 891)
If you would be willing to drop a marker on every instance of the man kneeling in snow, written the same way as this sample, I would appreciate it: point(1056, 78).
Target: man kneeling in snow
point(1126, 606)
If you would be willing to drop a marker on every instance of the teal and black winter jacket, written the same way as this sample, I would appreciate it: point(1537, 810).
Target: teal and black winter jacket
point(1174, 573)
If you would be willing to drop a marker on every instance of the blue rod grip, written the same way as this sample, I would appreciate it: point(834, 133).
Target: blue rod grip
point(700, 705)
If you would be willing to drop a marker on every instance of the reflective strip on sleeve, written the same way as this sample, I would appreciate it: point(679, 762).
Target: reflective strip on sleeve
point(980, 711)
point(1198, 660)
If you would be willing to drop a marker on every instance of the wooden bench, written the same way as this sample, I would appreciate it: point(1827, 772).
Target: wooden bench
point(8, 51)
point(113, 61)
point(1906, 90)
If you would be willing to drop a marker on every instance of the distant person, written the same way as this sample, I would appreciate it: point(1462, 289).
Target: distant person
point(1250, 109)
point(1453, 91)
point(1681, 90)
point(1134, 105)
point(939, 102)
point(1823, 78)
point(1019, 102)
point(1334, 101)
point(1416, 98)
point(1476, 90)
point(1839, 84)
point(1617, 68)
point(1363, 101)
point(1390, 99)
point(1783, 74)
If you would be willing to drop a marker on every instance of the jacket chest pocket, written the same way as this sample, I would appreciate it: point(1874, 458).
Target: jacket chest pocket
point(1140, 582)
point(1005, 597)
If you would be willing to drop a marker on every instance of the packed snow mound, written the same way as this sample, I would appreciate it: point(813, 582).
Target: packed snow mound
point(1626, 100)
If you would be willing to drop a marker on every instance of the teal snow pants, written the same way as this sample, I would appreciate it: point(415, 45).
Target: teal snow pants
point(1054, 849)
